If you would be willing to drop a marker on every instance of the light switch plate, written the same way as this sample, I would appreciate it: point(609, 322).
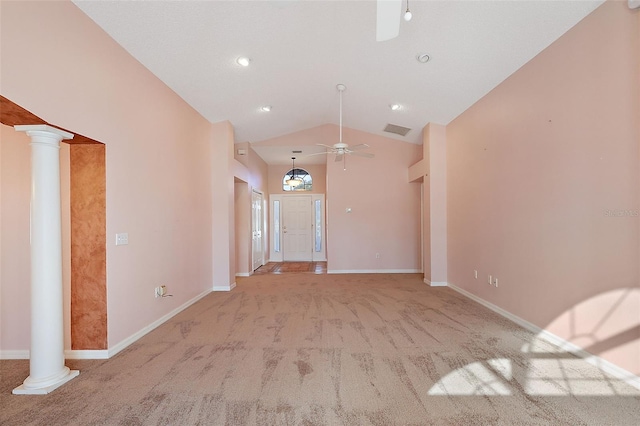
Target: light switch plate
point(122, 239)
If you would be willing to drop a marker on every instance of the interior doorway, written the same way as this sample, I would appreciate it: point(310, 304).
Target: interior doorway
point(297, 224)
point(297, 228)
point(257, 230)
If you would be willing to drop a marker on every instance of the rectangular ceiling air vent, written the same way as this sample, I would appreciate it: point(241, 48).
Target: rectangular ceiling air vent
point(297, 152)
point(398, 130)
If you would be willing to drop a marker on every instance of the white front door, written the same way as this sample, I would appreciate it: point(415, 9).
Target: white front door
point(257, 231)
point(297, 228)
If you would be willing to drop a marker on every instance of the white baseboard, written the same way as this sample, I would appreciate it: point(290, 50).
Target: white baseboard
point(373, 271)
point(129, 340)
point(224, 287)
point(15, 354)
point(242, 274)
point(601, 363)
point(68, 354)
point(106, 354)
point(435, 283)
point(86, 354)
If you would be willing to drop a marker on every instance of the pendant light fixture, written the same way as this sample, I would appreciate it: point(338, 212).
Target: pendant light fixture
point(408, 15)
point(293, 181)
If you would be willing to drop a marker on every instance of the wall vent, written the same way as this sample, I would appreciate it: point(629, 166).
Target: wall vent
point(297, 152)
point(398, 130)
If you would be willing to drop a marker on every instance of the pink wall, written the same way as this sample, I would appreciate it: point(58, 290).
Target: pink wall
point(259, 178)
point(223, 211)
point(256, 167)
point(435, 217)
point(62, 67)
point(543, 189)
point(242, 217)
point(385, 208)
point(244, 159)
point(15, 181)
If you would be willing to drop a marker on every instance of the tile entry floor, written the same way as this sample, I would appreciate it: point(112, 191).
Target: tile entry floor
point(284, 267)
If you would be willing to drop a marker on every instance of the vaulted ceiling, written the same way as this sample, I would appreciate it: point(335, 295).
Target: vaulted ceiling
point(300, 50)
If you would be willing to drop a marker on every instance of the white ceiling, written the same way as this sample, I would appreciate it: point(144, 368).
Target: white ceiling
point(281, 155)
point(301, 49)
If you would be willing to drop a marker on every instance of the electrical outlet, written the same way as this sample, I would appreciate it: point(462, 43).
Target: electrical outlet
point(377, 255)
point(475, 274)
point(495, 282)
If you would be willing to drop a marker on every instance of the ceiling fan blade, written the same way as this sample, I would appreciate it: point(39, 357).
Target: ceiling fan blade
point(363, 154)
point(388, 19)
point(358, 147)
point(339, 157)
point(318, 153)
point(326, 146)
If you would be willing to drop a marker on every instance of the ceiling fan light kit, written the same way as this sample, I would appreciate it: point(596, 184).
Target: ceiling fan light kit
point(388, 17)
point(341, 148)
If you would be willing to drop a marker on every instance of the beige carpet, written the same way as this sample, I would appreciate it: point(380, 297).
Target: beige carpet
point(305, 349)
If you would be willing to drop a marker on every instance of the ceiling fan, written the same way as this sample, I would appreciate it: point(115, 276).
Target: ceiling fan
point(388, 18)
point(341, 149)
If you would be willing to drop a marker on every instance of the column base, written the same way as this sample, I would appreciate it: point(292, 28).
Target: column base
point(23, 390)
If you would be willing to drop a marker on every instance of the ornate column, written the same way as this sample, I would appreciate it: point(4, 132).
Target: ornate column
point(46, 368)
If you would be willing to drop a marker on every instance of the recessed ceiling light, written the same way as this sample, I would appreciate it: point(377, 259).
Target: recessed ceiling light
point(423, 58)
point(243, 60)
point(394, 107)
point(266, 108)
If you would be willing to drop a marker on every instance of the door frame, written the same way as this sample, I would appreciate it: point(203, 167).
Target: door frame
point(274, 231)
point(263, 225)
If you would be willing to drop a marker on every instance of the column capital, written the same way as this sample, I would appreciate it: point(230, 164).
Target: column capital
point(43, 130)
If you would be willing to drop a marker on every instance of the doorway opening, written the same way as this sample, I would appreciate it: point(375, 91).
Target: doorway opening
point(297, 231)
point(257, 230)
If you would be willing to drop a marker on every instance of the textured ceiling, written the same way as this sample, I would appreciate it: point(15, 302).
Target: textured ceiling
point(300, 50)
